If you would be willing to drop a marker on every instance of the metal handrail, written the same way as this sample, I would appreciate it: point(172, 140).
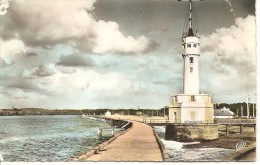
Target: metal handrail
point(235, 121)
point(100, 131)
point(154, 121)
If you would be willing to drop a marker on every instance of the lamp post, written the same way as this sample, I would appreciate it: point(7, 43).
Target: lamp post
point(253, 110)
point(242, 111)
point(247, 106)
point(1, 159)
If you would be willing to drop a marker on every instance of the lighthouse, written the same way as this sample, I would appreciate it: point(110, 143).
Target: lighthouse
point(191, 105)
point(191, 113)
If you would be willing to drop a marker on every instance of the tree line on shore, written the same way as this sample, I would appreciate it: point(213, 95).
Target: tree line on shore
point(234, 107)
point(41, 111)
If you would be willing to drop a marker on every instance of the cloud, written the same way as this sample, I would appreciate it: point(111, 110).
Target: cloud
point(47, 23)
point(231, 53)
point(16, 97)
point(90, 81)
point(111, 82)
point(18, 83)
point(43, 71)
point(75, 60)
point(31, 54)
point(4, 4)
point(234, 46)
point(110, 39)
point(12, 49)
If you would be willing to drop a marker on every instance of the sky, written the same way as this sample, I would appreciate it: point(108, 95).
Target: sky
point(62, 54)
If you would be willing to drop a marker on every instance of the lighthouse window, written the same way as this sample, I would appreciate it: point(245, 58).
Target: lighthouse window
point(188, 45)
point(191, 60)
point(194, 45)
point(191, 69)
point(192, 98)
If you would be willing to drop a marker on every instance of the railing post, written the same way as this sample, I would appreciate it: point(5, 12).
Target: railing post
point(227, 129)
point(99, 133)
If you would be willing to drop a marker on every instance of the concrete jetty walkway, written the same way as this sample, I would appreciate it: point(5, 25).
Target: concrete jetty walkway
point(138, 144)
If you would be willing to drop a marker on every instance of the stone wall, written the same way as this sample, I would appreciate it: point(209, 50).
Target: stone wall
point(187, 132)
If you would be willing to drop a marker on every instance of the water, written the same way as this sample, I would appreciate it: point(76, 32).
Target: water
point(46, 138)
point(176, 152)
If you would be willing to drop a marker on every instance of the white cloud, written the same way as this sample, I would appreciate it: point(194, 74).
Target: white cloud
point(234, 45)
point(81, 81)
point(110, 39)
point(114, 83)
point(4, 4)
point(11, 50)
point(231, 53)
point(42, 23)
point(76, 87)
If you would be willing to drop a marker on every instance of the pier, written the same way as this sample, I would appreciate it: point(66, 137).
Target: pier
point(138, 144)
point(241, 123)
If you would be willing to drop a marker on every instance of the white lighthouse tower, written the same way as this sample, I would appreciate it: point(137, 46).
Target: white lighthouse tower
point(191, 105)
point(191, 53)
point(191, 43)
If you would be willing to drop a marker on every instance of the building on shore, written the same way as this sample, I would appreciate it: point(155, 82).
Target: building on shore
point(224, 113)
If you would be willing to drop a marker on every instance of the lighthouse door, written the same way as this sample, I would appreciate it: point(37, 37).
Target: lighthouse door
point(174, 117)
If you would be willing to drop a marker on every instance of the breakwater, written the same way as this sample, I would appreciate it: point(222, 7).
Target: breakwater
point(125, 125)
point(138, 142)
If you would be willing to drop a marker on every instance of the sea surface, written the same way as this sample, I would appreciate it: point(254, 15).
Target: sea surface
point(46, 138)
point(176, 152)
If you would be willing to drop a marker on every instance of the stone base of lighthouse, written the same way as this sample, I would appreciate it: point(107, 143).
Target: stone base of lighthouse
point(192, 117)
point(191, 132)
point(191, 109)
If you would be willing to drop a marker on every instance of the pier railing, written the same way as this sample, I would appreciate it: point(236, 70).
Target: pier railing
point(199, 122)
point(157, 121)
point(215, 121)
point(235, 121)
point(167, 121)
point(105, 133)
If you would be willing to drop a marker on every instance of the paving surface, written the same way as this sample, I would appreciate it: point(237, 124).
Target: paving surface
point(138, 144)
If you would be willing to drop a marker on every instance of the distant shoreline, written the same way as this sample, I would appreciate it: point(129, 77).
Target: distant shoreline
point(38, 114)
point(123, 112)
